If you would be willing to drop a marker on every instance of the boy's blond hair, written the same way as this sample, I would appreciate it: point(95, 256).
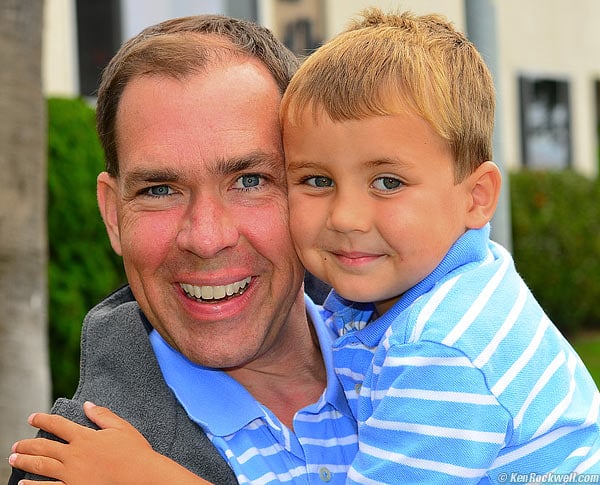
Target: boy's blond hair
point(390, 63)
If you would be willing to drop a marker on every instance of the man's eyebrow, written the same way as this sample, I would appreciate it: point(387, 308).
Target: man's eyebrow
point(258, 161)
point(142, 175)
point(252, 161)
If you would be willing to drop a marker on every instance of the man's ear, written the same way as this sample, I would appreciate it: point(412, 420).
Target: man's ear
point(107, 193)
point(484, 186)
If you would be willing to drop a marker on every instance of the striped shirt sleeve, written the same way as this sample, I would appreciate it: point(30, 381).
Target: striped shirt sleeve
point(431, 400)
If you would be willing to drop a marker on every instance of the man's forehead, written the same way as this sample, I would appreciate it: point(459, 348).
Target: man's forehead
point(225, 121)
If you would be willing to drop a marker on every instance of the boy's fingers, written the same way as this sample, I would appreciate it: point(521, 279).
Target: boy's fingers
point(39, 446)
point(35, 482)
point(57, 425)
point(104, 417)
point(38, 465)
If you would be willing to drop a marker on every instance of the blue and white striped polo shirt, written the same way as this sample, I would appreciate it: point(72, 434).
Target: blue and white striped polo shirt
point(259, 448)
point(465, 380)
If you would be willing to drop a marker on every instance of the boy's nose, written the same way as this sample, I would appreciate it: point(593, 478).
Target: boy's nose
point(349, 212)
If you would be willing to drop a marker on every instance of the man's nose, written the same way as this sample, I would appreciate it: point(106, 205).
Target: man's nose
point(207, 228)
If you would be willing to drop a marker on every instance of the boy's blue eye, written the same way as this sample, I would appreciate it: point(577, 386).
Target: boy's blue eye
point(319, 181)
point(387, 183)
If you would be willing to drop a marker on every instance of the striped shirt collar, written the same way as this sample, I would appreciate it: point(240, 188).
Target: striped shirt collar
point(470, 247)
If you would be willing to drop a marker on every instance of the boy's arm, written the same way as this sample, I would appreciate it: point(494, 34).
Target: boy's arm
point(115, 454)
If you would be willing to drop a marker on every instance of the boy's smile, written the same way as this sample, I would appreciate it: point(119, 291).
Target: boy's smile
point(355, 258)
point(373, 203)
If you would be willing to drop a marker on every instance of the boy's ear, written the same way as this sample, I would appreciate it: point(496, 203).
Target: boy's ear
point(484, 190)
point(107, 193)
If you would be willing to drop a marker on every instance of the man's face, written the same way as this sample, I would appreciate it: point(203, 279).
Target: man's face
point(199, 212)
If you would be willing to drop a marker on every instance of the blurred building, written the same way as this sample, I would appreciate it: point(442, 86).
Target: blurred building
point(545, 58)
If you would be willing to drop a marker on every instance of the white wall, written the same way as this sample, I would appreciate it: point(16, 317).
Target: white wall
point(339, 12)
point(59, 51)
point(139, 14)
point(560, 39)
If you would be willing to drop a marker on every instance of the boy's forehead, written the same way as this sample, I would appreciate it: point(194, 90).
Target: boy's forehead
point(376, 141)
point(317, 115)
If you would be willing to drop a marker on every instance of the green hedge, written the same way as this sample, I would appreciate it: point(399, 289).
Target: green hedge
point(82, 266)
point(556, 244)
point(556, 239)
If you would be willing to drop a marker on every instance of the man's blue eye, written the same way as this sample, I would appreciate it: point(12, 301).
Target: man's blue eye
point(159, 190)
point(249, 181)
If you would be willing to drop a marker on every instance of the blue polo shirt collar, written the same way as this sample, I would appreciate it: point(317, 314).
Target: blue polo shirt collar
point(216, 401)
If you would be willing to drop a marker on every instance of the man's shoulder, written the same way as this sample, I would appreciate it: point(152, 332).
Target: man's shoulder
point(117, 301)
point(117, 316)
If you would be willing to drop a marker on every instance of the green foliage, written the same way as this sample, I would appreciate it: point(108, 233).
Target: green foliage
point(587, 346)
point(82, 266)
point(556, 244)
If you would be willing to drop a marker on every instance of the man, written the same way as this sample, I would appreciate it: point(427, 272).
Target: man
point(212, 330)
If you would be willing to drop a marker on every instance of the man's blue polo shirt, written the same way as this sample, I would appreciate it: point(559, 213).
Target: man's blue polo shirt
point(260, 448)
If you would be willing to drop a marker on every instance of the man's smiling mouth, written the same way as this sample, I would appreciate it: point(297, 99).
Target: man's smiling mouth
point(212, 293)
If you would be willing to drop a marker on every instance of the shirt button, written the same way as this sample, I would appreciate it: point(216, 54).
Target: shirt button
point(357, 387)
point(324, 474)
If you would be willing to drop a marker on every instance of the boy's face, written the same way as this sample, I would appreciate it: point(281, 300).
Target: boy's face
point(373, 203)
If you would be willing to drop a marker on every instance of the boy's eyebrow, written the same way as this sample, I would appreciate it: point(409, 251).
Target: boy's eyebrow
point(375, 163)
point(381, 162)
point(296, 164)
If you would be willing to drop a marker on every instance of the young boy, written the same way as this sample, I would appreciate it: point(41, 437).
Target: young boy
point(452, 369)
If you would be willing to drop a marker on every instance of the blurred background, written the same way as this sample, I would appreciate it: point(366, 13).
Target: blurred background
point(544, 54)
point(55, 260)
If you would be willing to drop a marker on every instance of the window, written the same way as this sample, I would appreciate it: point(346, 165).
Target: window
point(545, 123)
point(300, 24)
point(98, 37)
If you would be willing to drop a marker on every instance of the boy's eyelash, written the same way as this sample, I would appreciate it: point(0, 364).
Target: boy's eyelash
point(304, 178)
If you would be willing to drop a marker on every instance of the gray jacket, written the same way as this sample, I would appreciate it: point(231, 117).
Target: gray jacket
point(119, 371)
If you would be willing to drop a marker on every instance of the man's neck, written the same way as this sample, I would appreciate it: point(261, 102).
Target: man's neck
point(290, 380)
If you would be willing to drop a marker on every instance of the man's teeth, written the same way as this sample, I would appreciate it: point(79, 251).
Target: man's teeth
point(216, 292)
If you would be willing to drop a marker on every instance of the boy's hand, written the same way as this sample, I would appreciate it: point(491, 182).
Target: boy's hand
point(116, 454)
